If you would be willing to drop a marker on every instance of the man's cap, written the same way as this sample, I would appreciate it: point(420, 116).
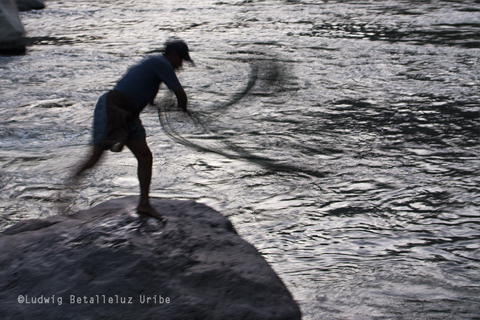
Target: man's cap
point(180, 47)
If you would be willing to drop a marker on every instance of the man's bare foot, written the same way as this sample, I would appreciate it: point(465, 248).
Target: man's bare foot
point(149, 210)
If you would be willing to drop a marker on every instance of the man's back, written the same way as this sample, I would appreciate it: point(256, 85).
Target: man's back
point(141, 82)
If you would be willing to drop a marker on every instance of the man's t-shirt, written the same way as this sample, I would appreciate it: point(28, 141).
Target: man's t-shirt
point(141, 82)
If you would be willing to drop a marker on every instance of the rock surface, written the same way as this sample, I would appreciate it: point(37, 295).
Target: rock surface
point(109, 263)
point(12, 33)
point(25, 5)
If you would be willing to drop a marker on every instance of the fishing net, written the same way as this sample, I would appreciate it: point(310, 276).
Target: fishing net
point(264, 76)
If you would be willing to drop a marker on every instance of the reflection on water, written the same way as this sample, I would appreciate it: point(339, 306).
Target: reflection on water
point(352, 164)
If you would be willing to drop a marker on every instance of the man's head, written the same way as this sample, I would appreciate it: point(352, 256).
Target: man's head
point(176, 52)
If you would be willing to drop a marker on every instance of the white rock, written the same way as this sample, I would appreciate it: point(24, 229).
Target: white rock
point(12, 33)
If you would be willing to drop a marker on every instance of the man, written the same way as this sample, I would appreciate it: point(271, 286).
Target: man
point(116, 117)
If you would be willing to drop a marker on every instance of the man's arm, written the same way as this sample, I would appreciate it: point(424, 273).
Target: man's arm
point(152, 102)
point(181, 99)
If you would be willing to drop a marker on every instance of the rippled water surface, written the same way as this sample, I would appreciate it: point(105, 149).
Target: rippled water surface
point(352, 164)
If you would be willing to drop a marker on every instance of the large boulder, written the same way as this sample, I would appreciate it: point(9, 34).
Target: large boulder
point(108, 262)
point(12, 33)
point(26, 5)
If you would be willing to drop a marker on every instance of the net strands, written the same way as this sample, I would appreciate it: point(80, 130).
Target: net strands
point(231, 150)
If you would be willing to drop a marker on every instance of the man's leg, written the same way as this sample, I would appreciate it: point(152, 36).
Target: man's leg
point(145, 161)
point(92, 161)
point(99, 129)
point(66, 196)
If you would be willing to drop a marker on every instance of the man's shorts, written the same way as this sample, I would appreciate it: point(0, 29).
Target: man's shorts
point(136, 131)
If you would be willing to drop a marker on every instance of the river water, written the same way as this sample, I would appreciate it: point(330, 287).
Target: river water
point(352, 164)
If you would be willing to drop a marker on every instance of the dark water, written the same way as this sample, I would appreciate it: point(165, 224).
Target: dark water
point(353, 162)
